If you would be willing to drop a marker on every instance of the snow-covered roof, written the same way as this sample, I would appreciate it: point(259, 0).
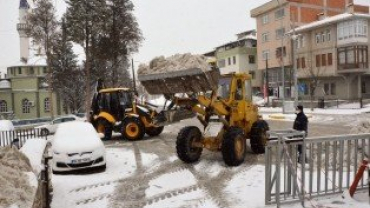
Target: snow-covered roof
point(5, 84)
point(330, 20)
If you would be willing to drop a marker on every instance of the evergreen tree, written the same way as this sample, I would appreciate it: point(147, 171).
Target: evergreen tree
point(41, 27)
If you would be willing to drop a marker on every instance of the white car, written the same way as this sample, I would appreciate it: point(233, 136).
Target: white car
point(51, 128)
point(76, 145)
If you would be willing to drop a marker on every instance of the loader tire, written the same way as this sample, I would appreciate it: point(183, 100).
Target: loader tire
point(103, 126)
point(133, 128)
point(234, 146)
point(184, 141)
point(154, 131)
point(258, 136)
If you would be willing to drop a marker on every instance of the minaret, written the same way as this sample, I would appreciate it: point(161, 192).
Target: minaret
point(21, 27)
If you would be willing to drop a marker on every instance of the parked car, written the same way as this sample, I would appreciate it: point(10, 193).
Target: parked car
point(76, 145)
point(51, 127)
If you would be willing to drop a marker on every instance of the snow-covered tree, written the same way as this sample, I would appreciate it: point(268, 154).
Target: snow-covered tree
point(68, 78)
point(41, 27)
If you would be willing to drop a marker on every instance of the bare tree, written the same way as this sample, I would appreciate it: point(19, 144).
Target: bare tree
point(41, 27)
point(313, 75)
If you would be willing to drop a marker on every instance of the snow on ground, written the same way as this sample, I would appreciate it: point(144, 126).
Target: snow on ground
point(170, 181)
point(34, 150)
point(148, 159)
point(94, 188)
point(325, 111)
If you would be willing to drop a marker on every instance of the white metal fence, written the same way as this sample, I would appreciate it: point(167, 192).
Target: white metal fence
point(330, 167)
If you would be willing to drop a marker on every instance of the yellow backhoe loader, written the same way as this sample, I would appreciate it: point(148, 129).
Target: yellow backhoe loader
point(223, 104)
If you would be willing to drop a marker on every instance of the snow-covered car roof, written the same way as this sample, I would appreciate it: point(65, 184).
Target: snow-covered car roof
point(76, 136)
point(6, 125)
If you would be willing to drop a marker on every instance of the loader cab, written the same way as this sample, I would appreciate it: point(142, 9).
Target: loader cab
point(114, 101)
point(241, 83)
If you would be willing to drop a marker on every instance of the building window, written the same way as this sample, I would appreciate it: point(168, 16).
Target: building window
point(279, 13)
point(303, 62)
point(323, 59)
point(280, 33)
point(221, 63)
point(19, 70)
point(3, 106)
point(44, 70)
point(328, 35)
point(252, 59)
point(234, 60)
point(229, 61)
point(318, 57)
point(280, 52)
point(353, 57)
point(47, 105)
point(31, 70)
point(333, 89)
point(26, 106)
point(323, 37)
point(265, 37)
point(301, 42)
point(317, 38)
point(352, 28)
point(330, 59)
point(266, 55)
point(330, 88)
point(363, 87)
point(253, 74)
point(265, 19)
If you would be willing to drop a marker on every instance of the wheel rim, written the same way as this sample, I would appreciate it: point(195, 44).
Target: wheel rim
point(239, 147)
point(101, 128)
point(132, 129)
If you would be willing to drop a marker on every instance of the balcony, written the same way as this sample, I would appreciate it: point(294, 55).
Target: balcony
point(22, 26)
point(353, 59)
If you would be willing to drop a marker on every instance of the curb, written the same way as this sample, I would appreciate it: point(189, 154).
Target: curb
point(284, 116)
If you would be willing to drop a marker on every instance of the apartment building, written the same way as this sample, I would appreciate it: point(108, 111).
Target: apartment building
point(335, 51)
point(239, 56)
point(275, 19)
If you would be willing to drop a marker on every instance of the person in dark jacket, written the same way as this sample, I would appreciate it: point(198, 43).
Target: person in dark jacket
point(300, 124)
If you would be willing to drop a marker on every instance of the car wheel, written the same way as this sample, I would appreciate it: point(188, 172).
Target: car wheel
point(44, 132)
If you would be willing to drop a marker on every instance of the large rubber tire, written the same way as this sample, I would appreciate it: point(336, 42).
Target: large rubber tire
point(103, 126)
point(154, 131)
point(132, 128)
point(184, 141)
point(44, 132)
point(258, 138)
point(234, 146)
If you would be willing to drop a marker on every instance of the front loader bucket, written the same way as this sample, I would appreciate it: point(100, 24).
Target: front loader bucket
point(182, 81)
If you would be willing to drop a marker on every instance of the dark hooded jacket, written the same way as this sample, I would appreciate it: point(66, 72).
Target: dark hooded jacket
point(301, 122)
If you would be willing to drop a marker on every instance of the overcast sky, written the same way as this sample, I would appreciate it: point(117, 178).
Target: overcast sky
point(168, 26)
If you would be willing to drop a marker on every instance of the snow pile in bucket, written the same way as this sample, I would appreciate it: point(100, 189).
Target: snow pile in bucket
point(176, 62)
point(15, 185)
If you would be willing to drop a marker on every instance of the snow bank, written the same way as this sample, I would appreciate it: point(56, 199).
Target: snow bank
point(6, 125)
point(15, 183)
point(34, 150)
point(176, 62)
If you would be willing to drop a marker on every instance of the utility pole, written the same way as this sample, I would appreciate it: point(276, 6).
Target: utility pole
point(282, 58)
point(133, 74)
point(266, 84)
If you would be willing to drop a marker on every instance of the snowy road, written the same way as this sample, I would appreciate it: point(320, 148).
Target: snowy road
point(148, 174)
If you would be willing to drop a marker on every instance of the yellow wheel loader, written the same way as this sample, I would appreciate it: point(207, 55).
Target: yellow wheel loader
point(223, 104)
point(115, 110)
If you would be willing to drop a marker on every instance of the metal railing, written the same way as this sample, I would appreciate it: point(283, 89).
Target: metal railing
point(19, 137)
point(327, 165)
